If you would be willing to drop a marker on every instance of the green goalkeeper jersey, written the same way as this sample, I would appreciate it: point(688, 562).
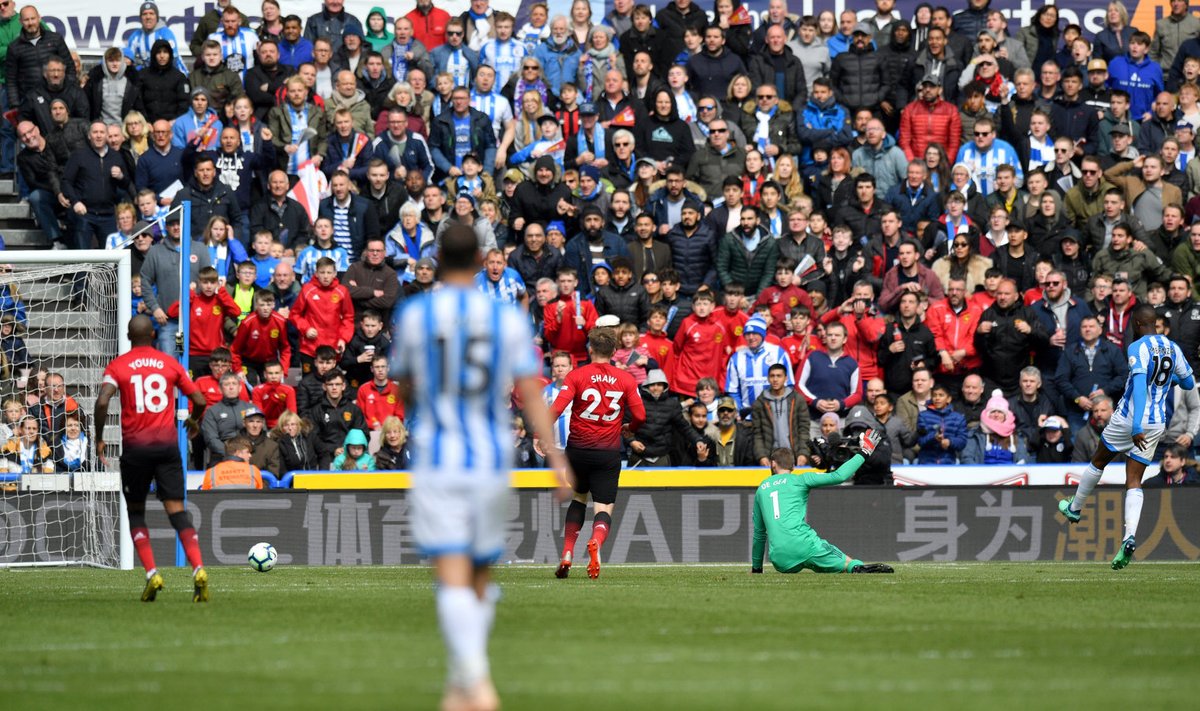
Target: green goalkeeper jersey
point(780, 512)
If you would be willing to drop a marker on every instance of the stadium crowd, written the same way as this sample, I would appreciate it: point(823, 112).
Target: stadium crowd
point(799, 226)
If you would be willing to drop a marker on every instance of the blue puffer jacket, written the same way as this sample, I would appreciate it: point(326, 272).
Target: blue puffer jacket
point(930, 424)
point(695, 257)
point(559, 64)
point(820, 123)
point(914, 205)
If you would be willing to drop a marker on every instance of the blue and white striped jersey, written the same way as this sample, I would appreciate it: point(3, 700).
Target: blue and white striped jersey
point(504, 57)
point(238, 50)
point(306, 261)
point(509, 288)
point(746, 374)
point(462, 351)
point(983, 165)
point(1162, 362)
point(562, 426)
point(140, 42)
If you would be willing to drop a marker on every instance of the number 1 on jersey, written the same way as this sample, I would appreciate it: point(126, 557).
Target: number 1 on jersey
point(775, 503)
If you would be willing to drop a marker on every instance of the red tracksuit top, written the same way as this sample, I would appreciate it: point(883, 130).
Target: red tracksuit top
point(260, 341)
point(327, 309)
point(273, 399)
point(206, 325)
point(699, 353)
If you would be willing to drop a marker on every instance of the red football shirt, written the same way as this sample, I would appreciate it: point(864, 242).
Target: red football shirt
point(146, 380)
point(599, 394)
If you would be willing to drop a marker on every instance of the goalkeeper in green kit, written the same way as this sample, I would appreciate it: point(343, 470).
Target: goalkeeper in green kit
point(781, 506)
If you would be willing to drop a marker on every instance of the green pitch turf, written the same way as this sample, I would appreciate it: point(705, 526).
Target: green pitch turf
point(1003, 636)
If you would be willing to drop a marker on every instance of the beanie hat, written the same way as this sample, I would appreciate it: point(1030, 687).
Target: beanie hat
point(756, 324)
point(997, 418)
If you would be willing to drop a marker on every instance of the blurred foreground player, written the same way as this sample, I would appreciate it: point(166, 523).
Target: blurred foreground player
point(1156, 364)
point(146, 378)
point(598, 394)
point(781, 506)
point(456, 355)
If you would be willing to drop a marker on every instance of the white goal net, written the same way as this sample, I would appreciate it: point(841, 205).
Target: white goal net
point(62, 320)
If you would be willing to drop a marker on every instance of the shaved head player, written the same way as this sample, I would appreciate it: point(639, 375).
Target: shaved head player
point(147, 379)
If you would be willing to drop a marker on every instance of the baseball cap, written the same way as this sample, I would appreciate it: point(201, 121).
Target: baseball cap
point(607, 320)
point(862, 28)
point(1097, 65)
point(1121, 129)
point(1185, 124)
point(587, 108)
point(1054, 422)
point(929, 79)
point(547, 118)
point(656, 377)
point(726, 403)
point(514, 175)
point(253, 412)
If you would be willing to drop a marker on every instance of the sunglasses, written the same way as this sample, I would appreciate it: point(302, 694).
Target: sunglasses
point(454, 33)
point(650, 280)
point(982, 134)
point(1091, 172)
point(623, 144)
point(707, 107)
point(529, 67)
point(766, 96)
point(1052, 283)
point(960, 244)
point(719, 130)
point(1062, 150)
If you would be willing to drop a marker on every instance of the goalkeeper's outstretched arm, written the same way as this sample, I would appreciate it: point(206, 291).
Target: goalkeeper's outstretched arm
point(841, 475)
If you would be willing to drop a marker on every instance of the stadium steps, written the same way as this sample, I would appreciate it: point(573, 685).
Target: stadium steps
point(16, 222)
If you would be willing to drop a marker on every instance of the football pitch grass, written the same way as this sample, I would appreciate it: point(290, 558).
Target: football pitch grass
point(944, 636)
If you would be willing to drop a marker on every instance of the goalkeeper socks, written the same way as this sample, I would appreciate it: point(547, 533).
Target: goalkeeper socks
point(463, 621)
point(600, 525)
point(182, 523)
point(575, 513)
point(1133, 511)
point(141, 543)
point(1091, 477)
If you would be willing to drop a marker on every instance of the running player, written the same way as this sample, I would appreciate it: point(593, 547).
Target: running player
point(456, 354)
point(781, 507)
point(1156, 364)
point(146, 379)
point(599, 394)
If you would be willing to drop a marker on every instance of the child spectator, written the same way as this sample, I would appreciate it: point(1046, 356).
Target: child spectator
point(262, 338)
point(1054, 446)
point(568, 318)
point(138, 303)
point(733, 317)
point(333, 416)
point(631, 355)
point(210, 306)
point(783, 296)
point(242, 292)
point(323, 313)
point(379, 398)
point(656, 341)
point(369, 339)
point(235, 471)
point(942, 432)
point(354, 456)
point(560, 366)
point(526, 456)
point(148, 210)
point(262, 258)
point(12, 344)
point(392, 454)
point(272, 396)
point(312, 384)
point(322, 247)
point(14, 410)
point(26, 452)
point(220, 362)
point(224, 253)
point(996, 441)
point(294, 437)
point(800, 341)
point(74, 445)
point(699, 346)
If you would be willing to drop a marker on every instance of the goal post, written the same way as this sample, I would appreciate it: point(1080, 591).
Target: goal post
point(64, 312)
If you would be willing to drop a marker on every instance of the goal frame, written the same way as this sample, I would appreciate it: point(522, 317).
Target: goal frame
point(124, 261)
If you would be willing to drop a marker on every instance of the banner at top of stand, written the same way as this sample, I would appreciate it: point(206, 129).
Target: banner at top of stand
point(88, 27)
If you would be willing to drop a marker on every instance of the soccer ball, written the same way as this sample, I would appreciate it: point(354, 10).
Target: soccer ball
point(262, 557)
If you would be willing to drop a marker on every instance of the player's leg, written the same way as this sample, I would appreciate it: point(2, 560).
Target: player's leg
point(135, 486)
point(169, 477)
point(491, 507)
point(824, 557)
point(442, 525)
point(576, 511)
point(1135, 469)
point(604, 498)
point(1115, 439)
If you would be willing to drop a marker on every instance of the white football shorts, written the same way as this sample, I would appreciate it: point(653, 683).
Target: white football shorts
point(460, 515)
point(1118, 437)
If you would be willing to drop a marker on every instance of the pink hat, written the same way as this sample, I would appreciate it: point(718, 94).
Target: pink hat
point(997, 419)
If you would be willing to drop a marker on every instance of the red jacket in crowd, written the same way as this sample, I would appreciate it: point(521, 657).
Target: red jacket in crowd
point(955, 331)
point(661, 349)
point(273, 399)
point(211, 389)
point(263, 340)
point(782, 300)
point(206, 327)
point(699, 353)
point(798, 347)
point(562, 334)
point(377, 403)
point(922, 124)
point(327, 309)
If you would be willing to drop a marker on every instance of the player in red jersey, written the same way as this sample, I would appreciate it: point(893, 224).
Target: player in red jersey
point(146, 379)
point(599, 395)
